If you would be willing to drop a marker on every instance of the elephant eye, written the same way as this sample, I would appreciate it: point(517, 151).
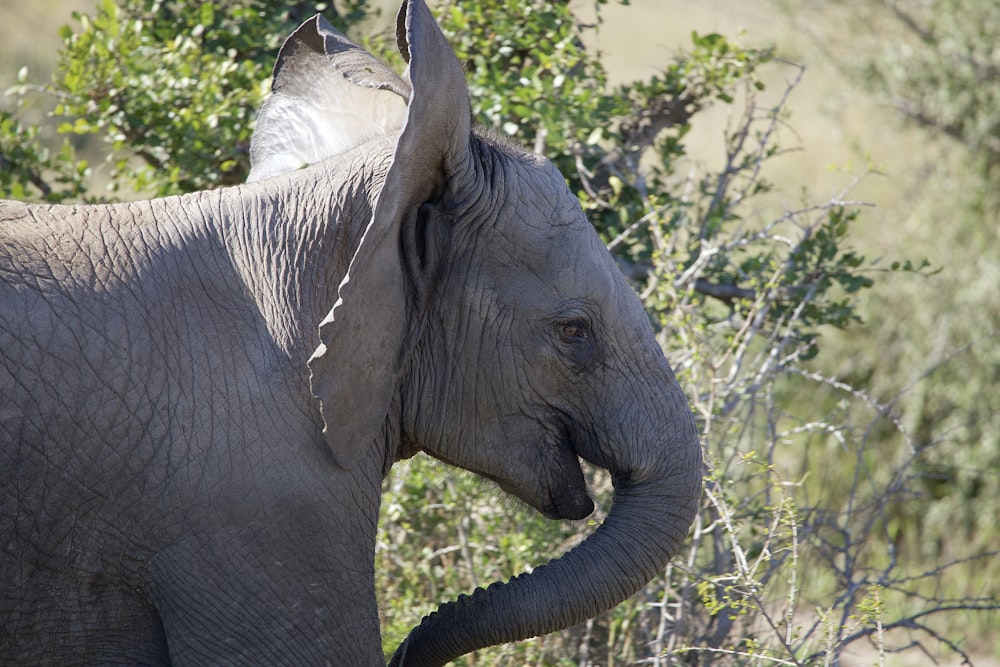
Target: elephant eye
point(573, 331)
point(577, 342)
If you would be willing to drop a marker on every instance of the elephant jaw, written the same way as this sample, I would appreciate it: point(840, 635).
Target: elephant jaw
point(562, 489)
point(563, 494)
point(551, 480)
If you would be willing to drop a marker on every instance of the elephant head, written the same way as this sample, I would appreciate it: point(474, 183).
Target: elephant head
point(482, 321)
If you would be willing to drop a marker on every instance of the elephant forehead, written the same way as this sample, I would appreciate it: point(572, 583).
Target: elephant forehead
point(538, 208)
point(543, 240)
point(555, 264)
point(541, 246)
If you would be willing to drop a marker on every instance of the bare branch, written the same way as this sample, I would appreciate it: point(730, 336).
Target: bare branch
point(33, 176)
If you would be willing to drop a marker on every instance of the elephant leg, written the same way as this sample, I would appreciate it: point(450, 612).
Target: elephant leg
point(139, 640)
point(72, 623)
point(254, 596)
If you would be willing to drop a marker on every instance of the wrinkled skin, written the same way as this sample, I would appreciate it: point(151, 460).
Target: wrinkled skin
point(191, 475)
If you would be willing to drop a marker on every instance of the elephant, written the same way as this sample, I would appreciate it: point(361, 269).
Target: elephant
point(202, 394)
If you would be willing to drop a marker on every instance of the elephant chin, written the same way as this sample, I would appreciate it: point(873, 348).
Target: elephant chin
point(566, 498)
point(571, 504)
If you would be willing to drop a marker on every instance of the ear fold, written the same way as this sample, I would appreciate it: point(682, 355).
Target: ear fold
point(328, 96)
point(355, 370)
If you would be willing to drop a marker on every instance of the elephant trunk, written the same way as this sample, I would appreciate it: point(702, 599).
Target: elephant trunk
point(644, 528)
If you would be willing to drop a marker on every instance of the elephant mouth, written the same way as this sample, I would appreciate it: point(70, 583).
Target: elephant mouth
point(570, 502)
point(560, 489)
point(565, 497)
point(552, 481)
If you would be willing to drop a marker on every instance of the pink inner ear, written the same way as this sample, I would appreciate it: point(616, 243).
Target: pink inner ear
point(330, 96)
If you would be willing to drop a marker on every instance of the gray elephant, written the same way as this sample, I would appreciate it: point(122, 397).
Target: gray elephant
point(201, 395)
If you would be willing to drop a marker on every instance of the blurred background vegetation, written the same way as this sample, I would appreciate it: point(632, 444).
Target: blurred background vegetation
point(805, 195)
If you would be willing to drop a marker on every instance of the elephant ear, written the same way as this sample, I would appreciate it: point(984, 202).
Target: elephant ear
point(355, 369)
point(328, 96)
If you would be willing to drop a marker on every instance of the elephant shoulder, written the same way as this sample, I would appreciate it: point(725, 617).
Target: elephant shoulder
point(36, 242)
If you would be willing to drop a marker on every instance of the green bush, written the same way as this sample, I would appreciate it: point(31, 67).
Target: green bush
point(940, 74)
point(796, 554)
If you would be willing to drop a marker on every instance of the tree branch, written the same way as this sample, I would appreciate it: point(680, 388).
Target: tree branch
point(31, 175)
point(926, 35)
point(723, 292)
